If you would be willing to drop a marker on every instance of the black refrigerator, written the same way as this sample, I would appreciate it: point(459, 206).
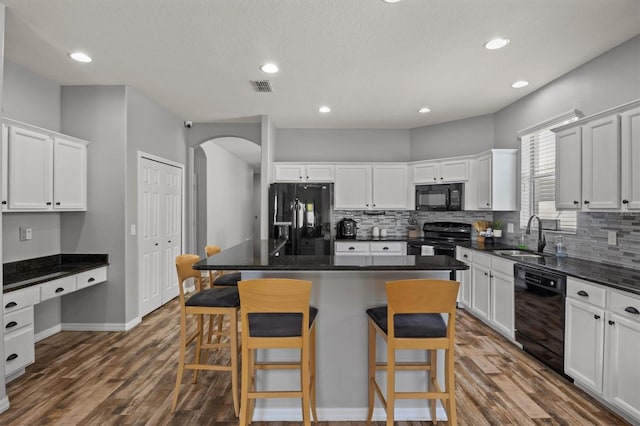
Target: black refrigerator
point(301, 214)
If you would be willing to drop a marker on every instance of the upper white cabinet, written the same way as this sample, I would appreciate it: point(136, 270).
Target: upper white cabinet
point(288, 172)
point(493, 181)
point(369, 187)
point(42, 170)
point(597, 160)
point(442, 171)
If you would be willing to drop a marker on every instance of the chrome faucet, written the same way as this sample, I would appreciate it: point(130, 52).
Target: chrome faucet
point(541, 240)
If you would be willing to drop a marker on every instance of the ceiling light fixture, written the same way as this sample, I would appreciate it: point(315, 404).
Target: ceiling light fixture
point(324, 109)
point(496, 43)
point(391, 1)
point(80, 57)
point(269, 68)
point(519, 84)
point(424, 110)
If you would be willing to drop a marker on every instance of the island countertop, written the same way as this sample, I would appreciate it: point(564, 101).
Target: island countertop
point(263, 255)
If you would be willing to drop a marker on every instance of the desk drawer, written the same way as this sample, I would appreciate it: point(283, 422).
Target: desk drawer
point(18, 319)
point(89, 278)
point(16, 300)
point(57, 288)
point(19, 350)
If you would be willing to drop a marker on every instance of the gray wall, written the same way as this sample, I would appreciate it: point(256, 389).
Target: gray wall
point(98, 114)
point(342, 145)
point(455, 138)
point(202, 132)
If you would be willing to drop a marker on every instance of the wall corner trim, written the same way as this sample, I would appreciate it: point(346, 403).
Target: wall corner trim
point(4, 404)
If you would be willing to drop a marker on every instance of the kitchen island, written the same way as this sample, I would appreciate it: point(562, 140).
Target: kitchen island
point(343, 288)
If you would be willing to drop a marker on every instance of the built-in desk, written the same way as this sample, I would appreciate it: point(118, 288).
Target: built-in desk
point(343, 288)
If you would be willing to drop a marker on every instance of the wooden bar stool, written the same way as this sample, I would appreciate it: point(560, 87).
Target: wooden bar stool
point(276, 315)
point(212, 301)
point(223, 278)
point(412, 320)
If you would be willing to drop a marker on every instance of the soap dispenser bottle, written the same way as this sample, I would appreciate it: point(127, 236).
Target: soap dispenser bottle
point(561, 250)
point(522, 244)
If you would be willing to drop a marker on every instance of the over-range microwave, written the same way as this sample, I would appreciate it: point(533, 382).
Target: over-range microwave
point(440, 197)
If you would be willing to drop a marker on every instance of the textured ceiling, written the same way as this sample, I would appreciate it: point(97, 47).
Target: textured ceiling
point(374, 63)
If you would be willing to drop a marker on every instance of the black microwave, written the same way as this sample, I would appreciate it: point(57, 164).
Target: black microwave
point(440, 197)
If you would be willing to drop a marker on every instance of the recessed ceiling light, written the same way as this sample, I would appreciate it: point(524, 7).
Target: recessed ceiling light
point(424, 110)
point(391, 1)
point(519, 84)
point(496, 43)
point(324, 109)
point(269, 68)
point(80, 57)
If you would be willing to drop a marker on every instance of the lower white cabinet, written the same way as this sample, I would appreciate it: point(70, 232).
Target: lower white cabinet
point(464, 277)
point(602, 343)
point(370, 248)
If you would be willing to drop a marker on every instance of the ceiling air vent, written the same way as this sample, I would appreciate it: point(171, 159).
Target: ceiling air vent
point(262, 85)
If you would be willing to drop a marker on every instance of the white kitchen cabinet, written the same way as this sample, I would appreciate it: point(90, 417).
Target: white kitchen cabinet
point(601, 164)
point(494, 180)
point(370, 248)
point(286, 172)
point(19, 342)
point(441, 171)
point(481, 282)
point(569, 169)
point(630, 159)
point(351, 248)
point(464, 277)
point(42, 170)
point(602, 342)
point(370, 187)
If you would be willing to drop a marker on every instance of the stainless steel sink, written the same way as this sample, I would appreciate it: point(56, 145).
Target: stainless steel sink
point(521, 254)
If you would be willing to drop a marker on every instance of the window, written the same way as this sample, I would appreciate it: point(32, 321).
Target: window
point(538, 176)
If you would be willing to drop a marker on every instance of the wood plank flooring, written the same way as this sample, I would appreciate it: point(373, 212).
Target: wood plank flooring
point(127, 378)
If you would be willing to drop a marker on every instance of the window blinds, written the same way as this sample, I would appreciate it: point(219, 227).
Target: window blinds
point(538, 177)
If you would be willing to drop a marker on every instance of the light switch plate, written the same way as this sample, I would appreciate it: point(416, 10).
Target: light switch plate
point(133, 229)
point(612, 238)
point(25, 234)
point(509, 227)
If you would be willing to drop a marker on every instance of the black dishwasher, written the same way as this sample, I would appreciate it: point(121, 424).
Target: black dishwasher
point(539, 314)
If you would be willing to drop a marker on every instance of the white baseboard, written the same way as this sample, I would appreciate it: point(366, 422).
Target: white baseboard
point(48, 332)
point(345, 414)
point(4, 404)
point(75, 326)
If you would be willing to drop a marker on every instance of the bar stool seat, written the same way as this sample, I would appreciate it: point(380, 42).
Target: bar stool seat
point(412, 320)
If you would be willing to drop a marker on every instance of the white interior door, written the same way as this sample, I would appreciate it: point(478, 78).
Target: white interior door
point(160, 231)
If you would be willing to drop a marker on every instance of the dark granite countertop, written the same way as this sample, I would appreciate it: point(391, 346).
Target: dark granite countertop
point(259, 255)
point(30, 272)
point(614, 276)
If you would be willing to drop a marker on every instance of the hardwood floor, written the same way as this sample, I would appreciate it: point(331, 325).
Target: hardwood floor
point(127, 378)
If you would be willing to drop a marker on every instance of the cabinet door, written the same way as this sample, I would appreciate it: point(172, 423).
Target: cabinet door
point(289, 173)
point(389, 186)
point(69, 175)
point(320, 172)
point(353, 187)
point(502, 303)
point(426, 172)
point(584, 343)
point(351, 248)
point(569, 169)
point(622, 365)
point(464, 277)
point(601, 164)
point(630, 159)
point(454, 170)
point(30, 170)
point(5, 166)
point(480, 295)
point(484, 182)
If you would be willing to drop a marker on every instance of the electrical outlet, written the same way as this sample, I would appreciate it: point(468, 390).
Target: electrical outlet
point(133, 229)
point(25, 234)
point(509, 227)
point(612, 238)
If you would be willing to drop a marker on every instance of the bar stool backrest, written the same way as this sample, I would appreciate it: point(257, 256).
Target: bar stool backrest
point(184, 266)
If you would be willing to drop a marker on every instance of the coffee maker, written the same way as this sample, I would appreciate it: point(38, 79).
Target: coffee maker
point(346, 229)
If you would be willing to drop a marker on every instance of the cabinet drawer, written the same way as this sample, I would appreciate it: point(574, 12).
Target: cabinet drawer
point(502, 265)
point(482, 259)
point(625, 305)
point(16, 320)
point(353, 247)
point(585, 291)
point(57, 288)
point(464, 254)
point(89, 278)
point(396, 248)
point(16, 300)
point(19, 350)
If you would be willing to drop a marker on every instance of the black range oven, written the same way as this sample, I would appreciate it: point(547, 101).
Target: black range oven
point(539, 314)
point(439, 238)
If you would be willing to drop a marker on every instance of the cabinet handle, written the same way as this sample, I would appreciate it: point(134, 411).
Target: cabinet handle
point(156, 244)
point(435, 178)
point(57, 203)
point(625, 201)
point(586, 201)
point(352, 248)
point(632, 310)
point(307, 177)
point(385, 248)
point(300, 177)
point(596, 316)
point(488, 204)
point(10, 305)
point(611, 322)
point(465, 256)
point(4, 202)
point(12, 357)
point(441, 178)
point(575, 202)
point(59, 289)
point(169, 241)
point(48, 203)
point(90, 280)
point(11, 324)
point(486, 273)
point(583, 293)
